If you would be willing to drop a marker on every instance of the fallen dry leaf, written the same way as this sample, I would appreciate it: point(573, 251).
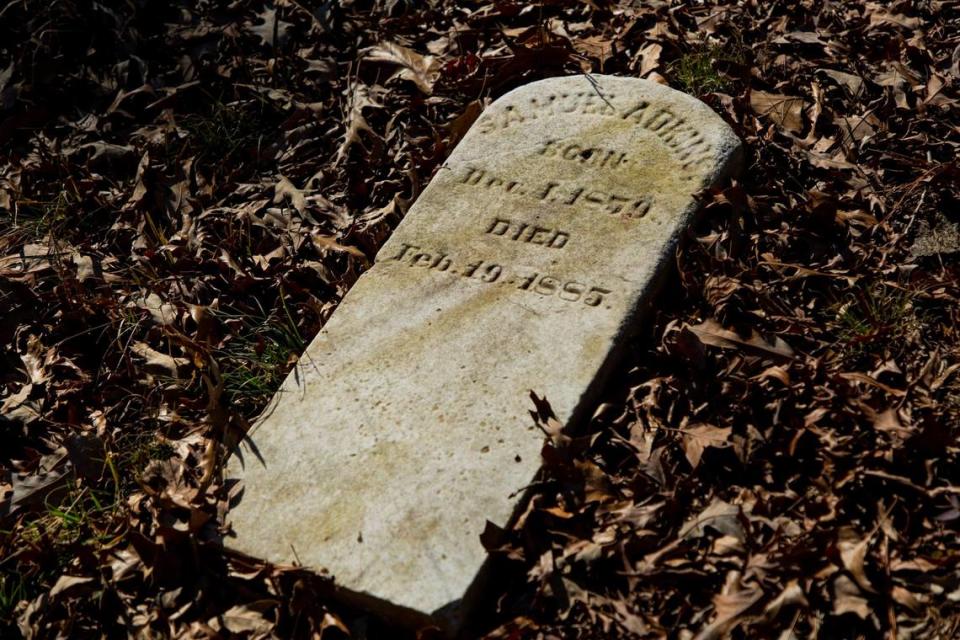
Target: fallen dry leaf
point(160, 362)
point(729, 605)
point(420, 69)
point(698, 438)
point(786, 111)
point(712, 333)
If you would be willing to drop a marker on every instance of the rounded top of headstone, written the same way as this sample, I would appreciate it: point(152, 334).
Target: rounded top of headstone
point(685, 132)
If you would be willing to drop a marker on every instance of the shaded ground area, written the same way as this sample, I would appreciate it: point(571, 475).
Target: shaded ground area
point(187, 190)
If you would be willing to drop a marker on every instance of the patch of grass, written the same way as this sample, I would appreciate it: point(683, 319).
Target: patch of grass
point(256, 358)
point(32, 220)
point(875, 317)
point(13, 589)
point(77, 516)
point(696, 71)
point(50, 539)
point(221, 133)
point(223, 130)
point(149, 449)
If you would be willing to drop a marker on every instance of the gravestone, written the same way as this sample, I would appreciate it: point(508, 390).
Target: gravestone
point(523, 266)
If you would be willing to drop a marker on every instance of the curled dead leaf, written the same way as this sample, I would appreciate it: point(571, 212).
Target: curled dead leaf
point(66, 584)
point(327, 243)
point(360, 99)
point(720, 516)
point(698, 438)
point(712, 333)
point(852, 83)
point(730, 605)
point(857, 376)
point(285, 189)
point(775, 373)
point(791, 596)
point(160, 362)
point(649, 56)
point(247, 618)
point(786, 111)
point(162, 312)
point(422, 70)
point(853, 552)
point(847, 598)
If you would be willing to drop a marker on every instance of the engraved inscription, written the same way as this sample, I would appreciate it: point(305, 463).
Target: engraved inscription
point(684, 140)
point(581, 102)
point(482, 271)
point(480, 177)
point(588, 156)
point(529, 233)
point(566, 194)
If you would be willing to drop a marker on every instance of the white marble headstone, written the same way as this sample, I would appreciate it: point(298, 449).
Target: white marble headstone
point(523, 266)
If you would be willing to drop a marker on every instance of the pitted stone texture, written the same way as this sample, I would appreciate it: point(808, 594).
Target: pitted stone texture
point(523, 266)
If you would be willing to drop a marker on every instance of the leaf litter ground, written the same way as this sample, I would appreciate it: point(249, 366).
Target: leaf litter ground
point(188, 189)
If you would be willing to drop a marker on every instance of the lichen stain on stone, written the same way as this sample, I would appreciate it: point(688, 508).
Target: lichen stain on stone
point(344, 514)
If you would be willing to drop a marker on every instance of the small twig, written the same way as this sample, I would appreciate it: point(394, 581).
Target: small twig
point(596, 87)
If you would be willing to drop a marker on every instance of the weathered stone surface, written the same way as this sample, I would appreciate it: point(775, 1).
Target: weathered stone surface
point(522, 266)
